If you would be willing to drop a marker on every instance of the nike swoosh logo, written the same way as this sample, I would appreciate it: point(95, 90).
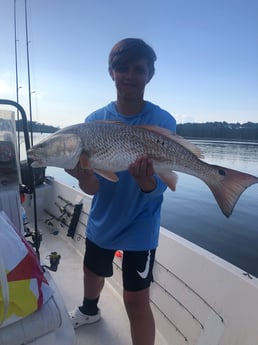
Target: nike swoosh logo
point(144, 274)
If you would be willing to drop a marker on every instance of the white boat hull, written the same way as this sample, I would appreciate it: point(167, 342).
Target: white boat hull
point(197, 298)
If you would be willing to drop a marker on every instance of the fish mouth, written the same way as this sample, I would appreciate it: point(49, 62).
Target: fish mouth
point(36, 161)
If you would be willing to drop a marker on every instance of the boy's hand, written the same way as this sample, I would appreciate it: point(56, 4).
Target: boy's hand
point(143, 172)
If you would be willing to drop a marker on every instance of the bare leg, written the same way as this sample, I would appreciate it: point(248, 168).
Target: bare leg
point(88, 312)
point(93, 284)
point(140, 316)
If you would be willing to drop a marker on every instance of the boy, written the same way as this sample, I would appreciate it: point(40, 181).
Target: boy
point(125, 215)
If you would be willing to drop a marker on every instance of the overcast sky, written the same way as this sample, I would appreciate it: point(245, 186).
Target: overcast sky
point(207, 67)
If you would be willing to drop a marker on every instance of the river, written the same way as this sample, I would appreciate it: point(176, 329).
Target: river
point(192, 212)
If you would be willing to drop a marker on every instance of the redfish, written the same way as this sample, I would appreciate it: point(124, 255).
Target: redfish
point(111, 147)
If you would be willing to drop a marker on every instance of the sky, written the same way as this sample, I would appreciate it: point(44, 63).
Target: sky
point(206, 71)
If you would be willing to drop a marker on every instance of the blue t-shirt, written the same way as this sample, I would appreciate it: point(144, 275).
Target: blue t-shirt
point(122, 216)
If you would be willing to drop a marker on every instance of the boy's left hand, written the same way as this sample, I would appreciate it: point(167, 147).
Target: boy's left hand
point(143, 172)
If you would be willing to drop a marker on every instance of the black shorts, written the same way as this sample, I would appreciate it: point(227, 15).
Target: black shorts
point(136, 265)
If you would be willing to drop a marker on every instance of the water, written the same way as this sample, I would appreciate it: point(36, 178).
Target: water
point(193, 213)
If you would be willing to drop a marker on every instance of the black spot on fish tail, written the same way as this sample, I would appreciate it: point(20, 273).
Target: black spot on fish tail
point(229, 186)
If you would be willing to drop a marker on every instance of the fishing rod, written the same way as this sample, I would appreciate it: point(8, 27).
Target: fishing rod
point(20, 110)
point(37, 236)
point(16, 74)
point(28, 68)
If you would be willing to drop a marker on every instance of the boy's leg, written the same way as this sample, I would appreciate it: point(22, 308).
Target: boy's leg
point(137, 278)
point(93, 284)
point(140, 316)
point(95, 272)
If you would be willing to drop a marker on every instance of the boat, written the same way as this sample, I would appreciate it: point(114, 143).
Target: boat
point(197, 298)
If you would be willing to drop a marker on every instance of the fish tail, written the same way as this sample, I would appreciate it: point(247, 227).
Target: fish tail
point(227, 187)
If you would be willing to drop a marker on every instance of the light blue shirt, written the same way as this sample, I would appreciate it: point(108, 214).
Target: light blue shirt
point(122, 216)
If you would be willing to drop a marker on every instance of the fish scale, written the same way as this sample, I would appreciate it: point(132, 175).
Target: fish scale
point(111, 147)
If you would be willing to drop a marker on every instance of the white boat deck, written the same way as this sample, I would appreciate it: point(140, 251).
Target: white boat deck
point(197, 298)
point(113, 327)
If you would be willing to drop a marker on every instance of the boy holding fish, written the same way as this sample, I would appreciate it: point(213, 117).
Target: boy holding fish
point(124, 215)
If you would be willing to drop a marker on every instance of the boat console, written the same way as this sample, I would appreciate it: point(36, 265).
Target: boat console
point(50, 324)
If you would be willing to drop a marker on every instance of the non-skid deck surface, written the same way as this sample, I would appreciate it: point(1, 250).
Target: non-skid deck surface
point(113, 328)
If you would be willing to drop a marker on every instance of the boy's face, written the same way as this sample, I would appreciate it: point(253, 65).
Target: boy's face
point(130, 79)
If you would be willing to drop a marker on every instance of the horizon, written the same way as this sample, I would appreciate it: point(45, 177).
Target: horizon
point(179, 123)
point(206, 71)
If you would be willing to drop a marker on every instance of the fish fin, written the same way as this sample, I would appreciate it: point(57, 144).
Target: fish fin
point(108, 175)
point(170, 178)
point(229, 188)
point(85, 164)
point(176, 138)
point(84, 161)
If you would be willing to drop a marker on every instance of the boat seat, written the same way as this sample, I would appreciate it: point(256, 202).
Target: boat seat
point(48, 325)
point(33, 326)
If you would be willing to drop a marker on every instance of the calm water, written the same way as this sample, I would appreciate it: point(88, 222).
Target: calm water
point(193, 213)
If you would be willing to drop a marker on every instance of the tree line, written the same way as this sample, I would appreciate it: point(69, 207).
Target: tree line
point(36, 127)
point(219, 130)
point(210, 130)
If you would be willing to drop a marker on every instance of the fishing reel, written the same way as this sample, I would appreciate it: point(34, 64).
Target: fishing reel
point(36, 237)
point(54, 259)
